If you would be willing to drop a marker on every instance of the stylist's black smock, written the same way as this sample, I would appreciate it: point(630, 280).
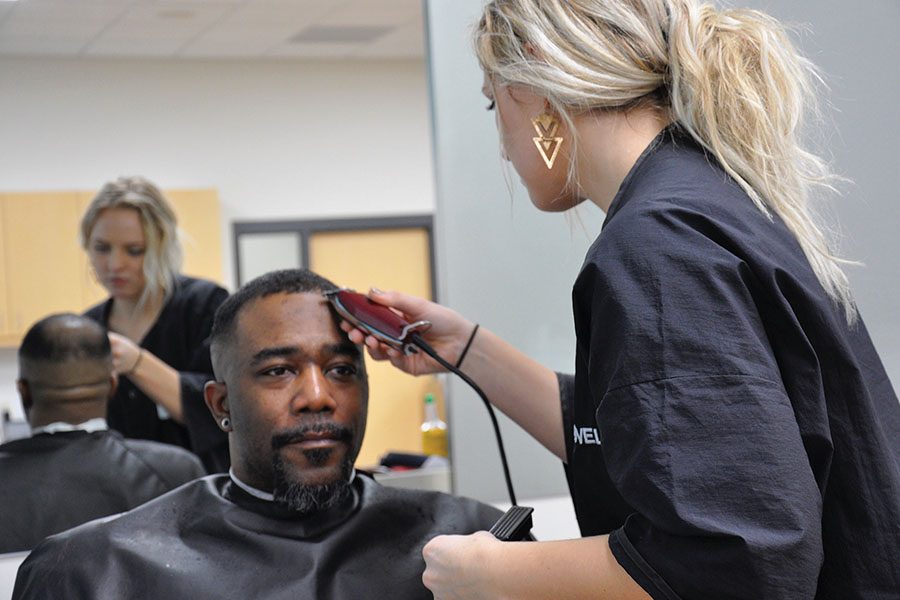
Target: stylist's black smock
point(180, 339)
point(726, 426)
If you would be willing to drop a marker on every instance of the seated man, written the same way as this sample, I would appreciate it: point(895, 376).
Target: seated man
point(292, 519)
point(73, 469)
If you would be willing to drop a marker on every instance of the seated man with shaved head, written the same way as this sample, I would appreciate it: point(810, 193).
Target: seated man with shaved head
point(73, 469)
point(292, 519)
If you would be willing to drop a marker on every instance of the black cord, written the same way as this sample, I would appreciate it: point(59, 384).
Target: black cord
point(416, 339)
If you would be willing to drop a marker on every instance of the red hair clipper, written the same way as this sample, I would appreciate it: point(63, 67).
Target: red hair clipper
point(376, 320)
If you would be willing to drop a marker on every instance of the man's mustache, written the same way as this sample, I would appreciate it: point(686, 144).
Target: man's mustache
point(340, 433)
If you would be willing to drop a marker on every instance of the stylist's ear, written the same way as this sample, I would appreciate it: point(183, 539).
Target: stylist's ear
point(215, 393)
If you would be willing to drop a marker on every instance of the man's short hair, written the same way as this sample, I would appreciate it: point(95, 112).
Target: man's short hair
point(287, 281)
point(65, 336)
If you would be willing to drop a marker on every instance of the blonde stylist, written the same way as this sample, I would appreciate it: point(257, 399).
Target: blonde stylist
point(730, 431)
point(158, 320)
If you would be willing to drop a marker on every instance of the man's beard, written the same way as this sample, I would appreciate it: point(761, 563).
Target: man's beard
point(304, 497)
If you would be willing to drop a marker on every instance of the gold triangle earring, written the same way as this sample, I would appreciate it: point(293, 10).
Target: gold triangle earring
point(547, 142)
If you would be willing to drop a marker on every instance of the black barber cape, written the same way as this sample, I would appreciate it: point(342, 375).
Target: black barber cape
point(51, 482)
point(179, 338)
point(211, 540)
point(727, 427)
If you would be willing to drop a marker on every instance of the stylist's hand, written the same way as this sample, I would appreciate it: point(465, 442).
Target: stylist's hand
point(457, 567)
point(125, 353)
point(448, 334)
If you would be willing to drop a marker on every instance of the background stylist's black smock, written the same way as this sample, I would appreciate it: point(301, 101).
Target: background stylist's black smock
point(727, 427)
point(179, 338)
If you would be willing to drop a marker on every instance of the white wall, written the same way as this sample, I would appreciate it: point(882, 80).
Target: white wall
point(279, 140)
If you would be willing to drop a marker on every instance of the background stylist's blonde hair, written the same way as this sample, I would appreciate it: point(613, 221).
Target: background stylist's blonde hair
point(162, 257)
point(731, 79)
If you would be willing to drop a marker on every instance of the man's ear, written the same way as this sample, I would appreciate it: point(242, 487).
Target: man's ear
point(25, 395)
point(215, 393)
point(113, 384)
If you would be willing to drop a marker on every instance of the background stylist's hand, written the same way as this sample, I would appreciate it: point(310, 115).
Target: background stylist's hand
point(456, 566)
point(448, 334)
point(125, 353)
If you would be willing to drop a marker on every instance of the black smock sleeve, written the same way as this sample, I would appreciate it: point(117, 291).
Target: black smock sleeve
point(698, 433)
point(207, 440)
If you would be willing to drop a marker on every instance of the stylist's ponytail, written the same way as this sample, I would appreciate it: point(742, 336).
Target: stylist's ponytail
point(731, 79)
point(740, 88)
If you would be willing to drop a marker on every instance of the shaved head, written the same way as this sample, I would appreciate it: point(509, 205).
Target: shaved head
point(65, 369)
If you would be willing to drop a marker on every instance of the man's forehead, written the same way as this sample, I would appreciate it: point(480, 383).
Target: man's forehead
point(282, 316)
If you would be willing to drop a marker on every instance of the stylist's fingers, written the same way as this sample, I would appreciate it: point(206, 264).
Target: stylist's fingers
point(124, 352)
point(409, 305)
point(376, 349)
point(454, 566)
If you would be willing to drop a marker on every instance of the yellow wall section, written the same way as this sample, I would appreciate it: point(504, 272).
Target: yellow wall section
point(4, 291)
point(201, 231)
point(42, 256)
point(43, 268)
point(392, 259)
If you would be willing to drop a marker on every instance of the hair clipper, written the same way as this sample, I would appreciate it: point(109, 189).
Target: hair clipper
point(376, 320)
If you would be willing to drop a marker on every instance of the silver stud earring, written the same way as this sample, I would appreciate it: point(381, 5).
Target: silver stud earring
point(226, 423)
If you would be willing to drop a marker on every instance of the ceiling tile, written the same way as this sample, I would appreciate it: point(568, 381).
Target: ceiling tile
point(312, 51)
point(206, 48)
point(403, 42)
point(160, 20)
point(206, 28)
point(133, 48)
point(32, 46)
point(375, 12)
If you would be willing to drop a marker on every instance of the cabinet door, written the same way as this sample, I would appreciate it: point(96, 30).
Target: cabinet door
point(391, 259)
point(201, 231)
point(4, 290)
point(90, 292)
point(44, 260)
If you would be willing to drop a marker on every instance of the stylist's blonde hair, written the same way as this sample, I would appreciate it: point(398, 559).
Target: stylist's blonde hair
point(162, 257)
point(731, 79)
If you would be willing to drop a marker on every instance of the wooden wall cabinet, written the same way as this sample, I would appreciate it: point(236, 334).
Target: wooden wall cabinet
point(43, 269)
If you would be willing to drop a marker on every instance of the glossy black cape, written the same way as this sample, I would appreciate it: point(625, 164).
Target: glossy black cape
point(211, 540)
point(52, 482)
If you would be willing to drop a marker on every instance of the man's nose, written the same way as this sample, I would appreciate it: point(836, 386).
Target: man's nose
point(314, 394)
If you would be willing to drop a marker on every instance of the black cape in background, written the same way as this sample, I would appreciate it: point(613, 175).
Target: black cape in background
point(52, 482)
point(211, 540)
point(179, 338)
point(727, 427)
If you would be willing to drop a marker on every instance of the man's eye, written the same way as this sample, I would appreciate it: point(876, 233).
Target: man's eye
point(344, 371)
point(275, 371)
point(491, 105)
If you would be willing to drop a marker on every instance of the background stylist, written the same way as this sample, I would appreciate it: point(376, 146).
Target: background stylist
point(158, 320)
